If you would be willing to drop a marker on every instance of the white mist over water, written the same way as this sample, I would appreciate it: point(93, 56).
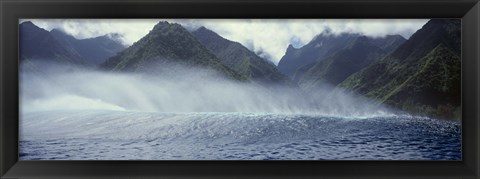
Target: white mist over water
point(192, 114)
point(173, 89)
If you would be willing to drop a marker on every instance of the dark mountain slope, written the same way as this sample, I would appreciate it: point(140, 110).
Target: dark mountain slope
point(239, 58)
point(432, 54)
point(389, 43)
point(333, 70)
point(316, 50)
point(166, 44)
point(435, 89)
point(94, 50)
point(38, 44)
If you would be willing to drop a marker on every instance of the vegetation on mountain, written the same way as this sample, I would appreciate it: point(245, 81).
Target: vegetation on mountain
point(167, 43)
point(38, 44)
point(94, 50)
point(239, 58)
point(333, 70)
point(322, 46)
point(422, 76)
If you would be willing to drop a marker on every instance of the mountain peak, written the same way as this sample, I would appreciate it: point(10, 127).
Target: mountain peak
point(291, 47)
point(239, 58)
point(38, 43)
point(205, 35)
point(320, 47)
point(162, 25)
point(168, 43)
point(28, 27)
point(435, 31)
point(204, 30)
point(443, 21)
point(449, 25)
point(361, 41)
point(62, 36)
point(27, 23)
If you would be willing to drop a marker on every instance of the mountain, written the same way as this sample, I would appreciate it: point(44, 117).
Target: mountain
point(388, 43)
point(329, 71)
point(93, 50)
point(38, 44)
point(239, 58)
point(422, 76)
point(296, 62)
point(336, 68)
point(317, 49)
point(167, 44)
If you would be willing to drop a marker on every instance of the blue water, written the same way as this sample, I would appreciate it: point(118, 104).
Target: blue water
point(114, 135)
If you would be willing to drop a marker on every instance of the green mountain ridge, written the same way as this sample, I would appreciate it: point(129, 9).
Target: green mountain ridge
point(93, 50)
point(421, 77)
point(40, 48)
point(39, 44)
point(320, 47)
point(239, 58)
point(388, 43)
point(168, 44)
point(333, 70)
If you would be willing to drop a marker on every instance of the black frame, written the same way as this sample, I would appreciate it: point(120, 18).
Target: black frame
point(467, 10)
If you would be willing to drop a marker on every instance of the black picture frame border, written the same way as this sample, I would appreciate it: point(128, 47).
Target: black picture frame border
point(12, 10)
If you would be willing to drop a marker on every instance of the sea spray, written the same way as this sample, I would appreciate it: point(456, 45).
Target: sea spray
point(174, 90)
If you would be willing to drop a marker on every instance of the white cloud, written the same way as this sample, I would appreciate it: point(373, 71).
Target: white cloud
point(268, 37)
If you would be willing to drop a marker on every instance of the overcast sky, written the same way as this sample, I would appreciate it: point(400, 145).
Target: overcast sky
point(267, 37)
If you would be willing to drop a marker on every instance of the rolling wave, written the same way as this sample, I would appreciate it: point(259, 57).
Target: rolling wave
point(236, 136)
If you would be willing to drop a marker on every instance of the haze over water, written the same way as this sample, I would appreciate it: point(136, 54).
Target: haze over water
point(77, 114)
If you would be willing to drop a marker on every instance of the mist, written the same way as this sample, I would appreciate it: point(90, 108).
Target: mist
point(173, 89)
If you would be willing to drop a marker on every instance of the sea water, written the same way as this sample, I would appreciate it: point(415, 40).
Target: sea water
point(129, 135)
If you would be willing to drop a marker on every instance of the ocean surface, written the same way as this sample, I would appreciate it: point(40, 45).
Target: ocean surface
point(120, 135)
